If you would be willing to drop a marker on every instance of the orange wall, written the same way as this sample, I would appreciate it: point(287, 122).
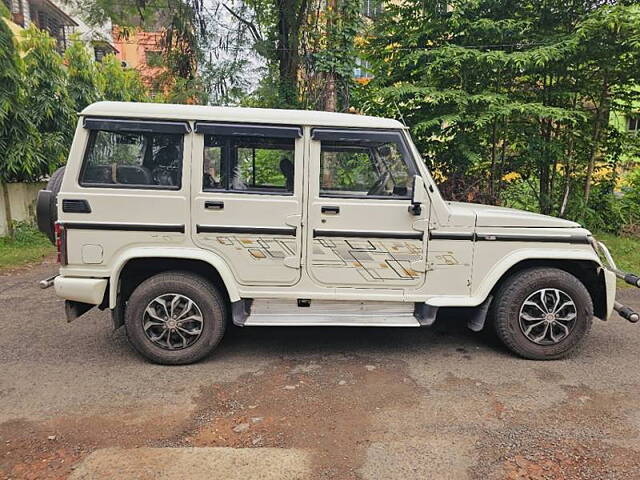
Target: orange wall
point(132, 49)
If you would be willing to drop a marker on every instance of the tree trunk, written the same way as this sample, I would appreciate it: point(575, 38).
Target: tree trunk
point(601, 120)
point(7, 208)
point(493, 158)
point(503, 152)
point(287, 52)
point(330, 103)
point(567, 177)
point(330, 93)
point(544, 174)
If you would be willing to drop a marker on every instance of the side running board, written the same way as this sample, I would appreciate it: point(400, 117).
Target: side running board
point(302, 312)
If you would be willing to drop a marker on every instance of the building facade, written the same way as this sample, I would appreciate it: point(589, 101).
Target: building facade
point(60, 21)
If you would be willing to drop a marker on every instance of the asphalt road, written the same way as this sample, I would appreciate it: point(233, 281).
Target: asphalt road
point(278, 403)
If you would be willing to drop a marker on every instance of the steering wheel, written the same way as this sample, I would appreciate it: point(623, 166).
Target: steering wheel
point(378, 187)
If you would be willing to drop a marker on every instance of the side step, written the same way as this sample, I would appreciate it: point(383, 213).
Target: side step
point(289, 313)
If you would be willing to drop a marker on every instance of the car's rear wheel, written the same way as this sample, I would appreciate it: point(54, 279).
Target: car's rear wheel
point(175, 318)
point(542, 313)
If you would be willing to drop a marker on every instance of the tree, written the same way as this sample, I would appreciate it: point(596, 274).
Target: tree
point(308, 48)
point(18, 138)
point(500, 89)
point(119, 83)
point(85, 84)
point(183, 32)
point(48, 102)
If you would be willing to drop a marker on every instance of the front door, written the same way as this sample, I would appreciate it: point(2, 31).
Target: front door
point(247, 199)
point(362, 233)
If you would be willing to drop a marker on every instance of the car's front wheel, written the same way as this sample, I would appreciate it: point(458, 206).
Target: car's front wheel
point(542, 313)
point(175, 318)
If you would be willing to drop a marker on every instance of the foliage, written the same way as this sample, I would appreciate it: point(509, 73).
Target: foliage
point(27, 245)
point(48, 103)
point(120, 84)
point(182, 28)
point(84, 83)
point(19, 139)
point(624, 249)
point(508, 99)
point(264, 164)
point(40, 92)
point(307, 47)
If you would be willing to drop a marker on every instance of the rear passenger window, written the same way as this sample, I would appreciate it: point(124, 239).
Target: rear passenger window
point(248, 164)
point(132, 159)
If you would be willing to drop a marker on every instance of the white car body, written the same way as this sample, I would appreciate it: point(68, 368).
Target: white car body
point(451, 254)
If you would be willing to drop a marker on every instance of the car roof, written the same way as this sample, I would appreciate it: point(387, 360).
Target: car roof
point(166, 111)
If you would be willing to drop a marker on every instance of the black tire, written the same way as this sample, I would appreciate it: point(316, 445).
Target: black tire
point(510, 298)
point(48, 212)
point(206, 297)
point(55, 181)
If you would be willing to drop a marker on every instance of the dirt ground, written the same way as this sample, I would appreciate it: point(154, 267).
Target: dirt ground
point(309, 403)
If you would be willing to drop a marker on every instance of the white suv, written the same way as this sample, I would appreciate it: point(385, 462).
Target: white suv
point(178, 218)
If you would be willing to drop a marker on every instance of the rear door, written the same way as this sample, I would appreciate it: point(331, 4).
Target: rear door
point(361, 233)
point(247, 199)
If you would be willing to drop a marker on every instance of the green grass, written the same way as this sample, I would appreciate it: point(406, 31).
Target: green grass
point(27, 246)
point(625, 252)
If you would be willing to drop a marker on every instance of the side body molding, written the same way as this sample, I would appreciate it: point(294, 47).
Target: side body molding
point(171, 252)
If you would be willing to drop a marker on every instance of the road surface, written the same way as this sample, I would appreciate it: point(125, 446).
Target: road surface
point(308, 403)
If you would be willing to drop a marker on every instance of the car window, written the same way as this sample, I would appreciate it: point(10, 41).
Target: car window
point(249, 164)
point(132, 159)
point(364, 169)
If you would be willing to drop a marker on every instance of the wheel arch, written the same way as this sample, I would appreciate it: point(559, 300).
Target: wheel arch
point(136, 266)
point(588, 271)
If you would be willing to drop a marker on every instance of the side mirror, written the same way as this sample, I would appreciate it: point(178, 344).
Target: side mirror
point(419, 196)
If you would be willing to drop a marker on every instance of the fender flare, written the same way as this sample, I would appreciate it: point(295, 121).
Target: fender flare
point(175, 253)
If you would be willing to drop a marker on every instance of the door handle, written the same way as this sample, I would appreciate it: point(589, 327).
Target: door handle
point(330, 209)
point(213, 205)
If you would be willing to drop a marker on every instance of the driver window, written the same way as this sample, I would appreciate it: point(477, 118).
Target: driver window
point(132, 159)
point(364, 169)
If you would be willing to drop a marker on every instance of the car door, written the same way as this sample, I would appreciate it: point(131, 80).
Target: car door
point(361, 231)
point(247, 199)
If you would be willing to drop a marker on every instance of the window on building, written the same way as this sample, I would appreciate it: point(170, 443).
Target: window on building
point(99, 53)
point(633, 125)
point(362, 70)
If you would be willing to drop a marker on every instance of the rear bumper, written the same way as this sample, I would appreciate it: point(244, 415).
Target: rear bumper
point(78, 289)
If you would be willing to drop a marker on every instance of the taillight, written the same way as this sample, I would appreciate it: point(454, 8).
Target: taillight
point(61, 243)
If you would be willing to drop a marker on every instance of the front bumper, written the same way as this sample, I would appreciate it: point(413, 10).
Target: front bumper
point(78, 289)
point(610, 286)
point(612, 273)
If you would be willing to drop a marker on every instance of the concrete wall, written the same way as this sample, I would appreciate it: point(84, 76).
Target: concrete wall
point(22, 200)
